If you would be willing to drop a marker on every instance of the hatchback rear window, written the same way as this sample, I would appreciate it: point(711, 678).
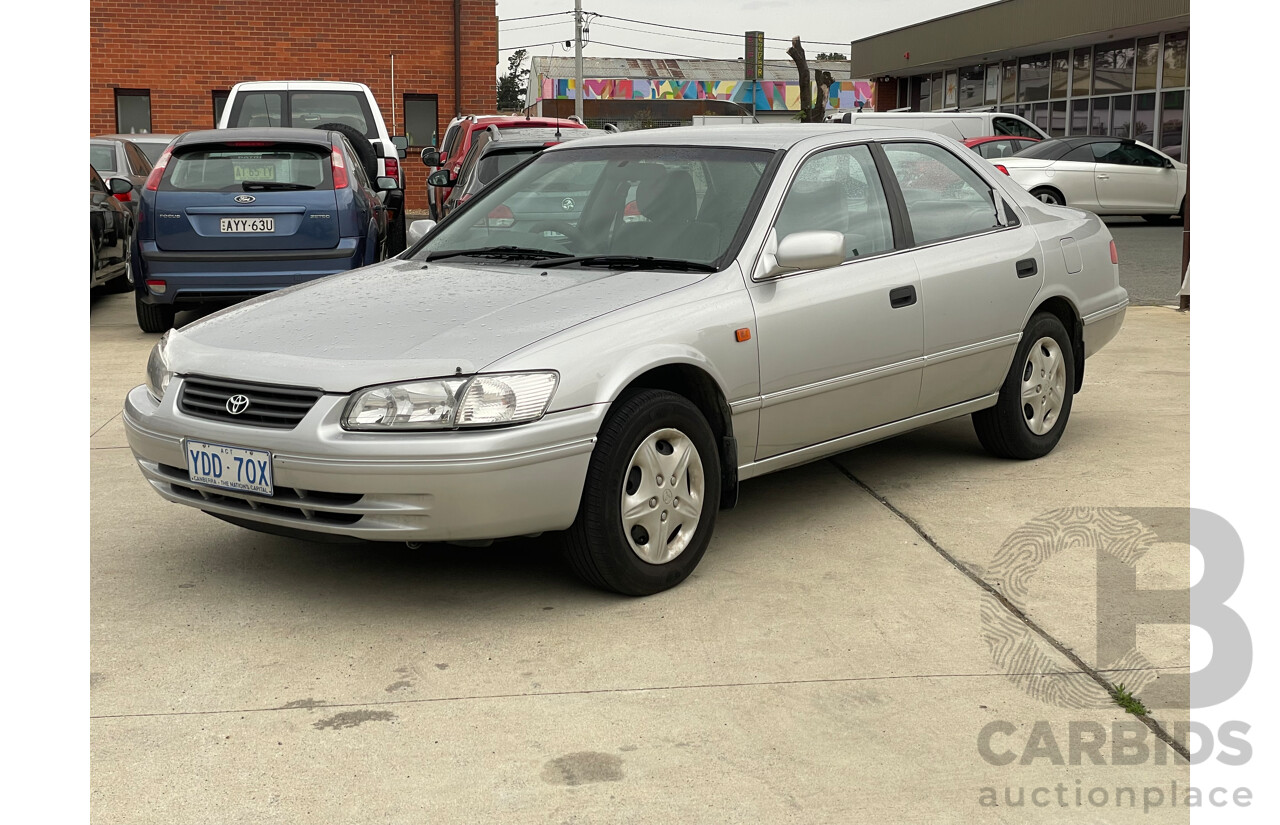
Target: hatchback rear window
point(102, 158)
point(229, 168)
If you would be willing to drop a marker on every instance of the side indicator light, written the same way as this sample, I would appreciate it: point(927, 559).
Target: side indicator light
point(743, 334)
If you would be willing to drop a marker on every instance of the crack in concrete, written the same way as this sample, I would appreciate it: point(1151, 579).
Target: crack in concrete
point(1084, 667)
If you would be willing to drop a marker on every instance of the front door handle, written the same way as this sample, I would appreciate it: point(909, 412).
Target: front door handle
point(1104, 177)
point(1026, 267)
point(903, 296)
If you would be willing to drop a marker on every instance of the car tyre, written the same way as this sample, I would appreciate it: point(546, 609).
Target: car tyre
point(1050, 196)
point(364, 149)
point(1031, 413)
point(396, 234)
point(153, 317)
point(648, 438)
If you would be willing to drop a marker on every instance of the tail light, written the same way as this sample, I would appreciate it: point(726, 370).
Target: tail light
point(393, 168)
point(1115, 258)
point(1002, 169)
point(124, 197)
point(157, 172)
point(339, 169)
point(502, 217)
point(631, 213)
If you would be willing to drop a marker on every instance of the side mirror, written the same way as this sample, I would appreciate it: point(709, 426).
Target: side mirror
point(401, 143)
point(416, 230)
point(386, 184)
point(119, 186)
point(431, 157)
point(441, 177)
point(1168, 164)
point(810, 250)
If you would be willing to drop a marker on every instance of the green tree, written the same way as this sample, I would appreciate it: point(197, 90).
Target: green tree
point(830, 56)
point(512, 85)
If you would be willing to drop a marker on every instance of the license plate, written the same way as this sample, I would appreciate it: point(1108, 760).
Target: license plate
point(232, 468)
point(248, 224)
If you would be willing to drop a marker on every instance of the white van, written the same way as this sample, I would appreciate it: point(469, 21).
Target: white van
point(958, 125)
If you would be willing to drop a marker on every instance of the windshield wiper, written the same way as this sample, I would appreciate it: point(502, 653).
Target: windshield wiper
point(266, 185)
point(632, 262)
point(509, 252)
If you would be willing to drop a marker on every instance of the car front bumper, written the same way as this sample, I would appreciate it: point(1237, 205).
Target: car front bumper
point(423, 486)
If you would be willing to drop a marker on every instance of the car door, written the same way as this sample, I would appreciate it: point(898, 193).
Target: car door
point(980, 268)
point(1073, 176)
point(839, 347)
point(1133, 178)
point(108, 228)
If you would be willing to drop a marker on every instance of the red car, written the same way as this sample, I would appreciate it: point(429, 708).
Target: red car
point(457, 142)
point(999, 146)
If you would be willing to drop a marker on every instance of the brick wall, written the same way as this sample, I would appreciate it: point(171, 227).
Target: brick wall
point(184, 52)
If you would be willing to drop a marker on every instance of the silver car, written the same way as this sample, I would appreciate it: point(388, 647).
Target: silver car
point(1106, 175)
point(789, 292)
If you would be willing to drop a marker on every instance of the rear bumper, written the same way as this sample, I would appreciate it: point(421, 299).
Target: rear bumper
point(196, 276)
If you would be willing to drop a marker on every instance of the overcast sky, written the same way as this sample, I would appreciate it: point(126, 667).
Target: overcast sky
point(834, 21)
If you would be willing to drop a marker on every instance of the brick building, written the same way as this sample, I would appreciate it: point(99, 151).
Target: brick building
point(166, 68)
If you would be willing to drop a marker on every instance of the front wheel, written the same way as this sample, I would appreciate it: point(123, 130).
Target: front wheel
point(651, 495)
point(1035, 400)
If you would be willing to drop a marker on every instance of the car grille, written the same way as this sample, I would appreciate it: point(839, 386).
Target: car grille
point(289, 502)
point(268, 405)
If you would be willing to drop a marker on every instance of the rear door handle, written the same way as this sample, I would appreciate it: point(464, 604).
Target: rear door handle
point(1027, 267)
point(1104, 177)
point(903, 296)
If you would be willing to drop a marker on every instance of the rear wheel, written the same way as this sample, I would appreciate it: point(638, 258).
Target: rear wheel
point(1050, 196)
point(364, 149)
point(649, 504)
point(153, 317)
point(1035, 400)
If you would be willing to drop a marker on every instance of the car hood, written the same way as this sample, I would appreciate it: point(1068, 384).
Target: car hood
point(401, 320)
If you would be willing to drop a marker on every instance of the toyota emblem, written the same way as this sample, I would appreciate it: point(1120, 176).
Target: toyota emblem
point(245, 199)
point(237, 404)
point(567, 204)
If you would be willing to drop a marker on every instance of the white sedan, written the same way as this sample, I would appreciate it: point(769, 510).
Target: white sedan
point(1105, 175)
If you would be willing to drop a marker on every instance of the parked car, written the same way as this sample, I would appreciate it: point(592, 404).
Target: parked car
point(494, 152)
point(228, 214)
point(618, 381)
point(457, 143)
point(1106, 175)
point(110, 232)
point(958, 125)
point(999, 146)
point(121, 158)
point(152, 145)
point(309, 104)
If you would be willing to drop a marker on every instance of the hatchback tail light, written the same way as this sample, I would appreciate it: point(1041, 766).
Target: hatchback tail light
point(502, 217)
point(1002, 169)
point(393, 168)
point(340, 180)
point(1115, 257)
point(157, 171)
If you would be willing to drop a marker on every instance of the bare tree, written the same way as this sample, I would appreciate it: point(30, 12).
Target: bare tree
point(811, 111)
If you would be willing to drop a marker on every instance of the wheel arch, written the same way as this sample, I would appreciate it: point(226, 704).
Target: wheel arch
point(1066, 312)
point(1055, 190)
point(693, 382)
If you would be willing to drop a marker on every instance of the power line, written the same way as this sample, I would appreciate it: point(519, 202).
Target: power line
point(533, 16)
point(538, 26)
point(532, 46)
point(722, 34)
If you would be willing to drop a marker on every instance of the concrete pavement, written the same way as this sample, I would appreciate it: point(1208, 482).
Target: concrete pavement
point(825, 663)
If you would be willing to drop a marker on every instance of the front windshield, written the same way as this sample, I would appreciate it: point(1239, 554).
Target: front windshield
point(675, 203)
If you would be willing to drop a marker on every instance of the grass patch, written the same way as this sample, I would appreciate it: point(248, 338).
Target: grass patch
point(1125, 699)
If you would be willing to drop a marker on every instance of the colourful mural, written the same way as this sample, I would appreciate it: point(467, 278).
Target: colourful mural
point(768, 94)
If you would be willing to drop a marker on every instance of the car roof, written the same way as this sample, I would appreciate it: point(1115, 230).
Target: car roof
point(146, 137)
point(108, 140)
point(273, 133)
point(270, 85)
point(771, 137)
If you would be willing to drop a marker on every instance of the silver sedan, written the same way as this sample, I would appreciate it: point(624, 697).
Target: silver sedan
point(1106, 175)
point(779, 294)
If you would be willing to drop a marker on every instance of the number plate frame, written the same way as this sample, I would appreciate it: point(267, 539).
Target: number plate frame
point(251, 226)
point(229, 468)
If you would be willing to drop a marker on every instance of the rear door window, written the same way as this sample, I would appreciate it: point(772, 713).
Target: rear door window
point(138, 163)
point(102, 158)
point(227, 168)
point(944, 197)
point(1012, 126)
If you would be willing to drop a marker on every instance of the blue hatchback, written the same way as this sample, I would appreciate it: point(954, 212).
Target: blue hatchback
point(233, 213)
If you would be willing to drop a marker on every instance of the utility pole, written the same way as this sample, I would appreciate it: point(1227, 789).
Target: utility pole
point(577, 58)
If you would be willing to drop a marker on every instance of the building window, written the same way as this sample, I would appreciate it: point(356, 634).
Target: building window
point(1175, 60)
point(935, 95)
point(133, 111)
point(1058, 118)
point(1148, 60)
point(1113, 69)
point(1080, 116)
point(1033, 78)
point(1009, 83)
point(1100, 117)
point(1081, 75)
point(219, 103)
point(1172, 108)
point(1144, 117)
point(993, 83)
point(949, 100)
point(1040, 116)
point(421, 119)
point(1059, 73)
point(1122, 116)
point(971, 86)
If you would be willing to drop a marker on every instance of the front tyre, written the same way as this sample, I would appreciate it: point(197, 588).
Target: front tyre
point(1035, 400)
point(651, 496)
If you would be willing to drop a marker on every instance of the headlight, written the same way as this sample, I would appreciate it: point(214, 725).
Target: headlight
point(446, 403)
point(158, 373)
